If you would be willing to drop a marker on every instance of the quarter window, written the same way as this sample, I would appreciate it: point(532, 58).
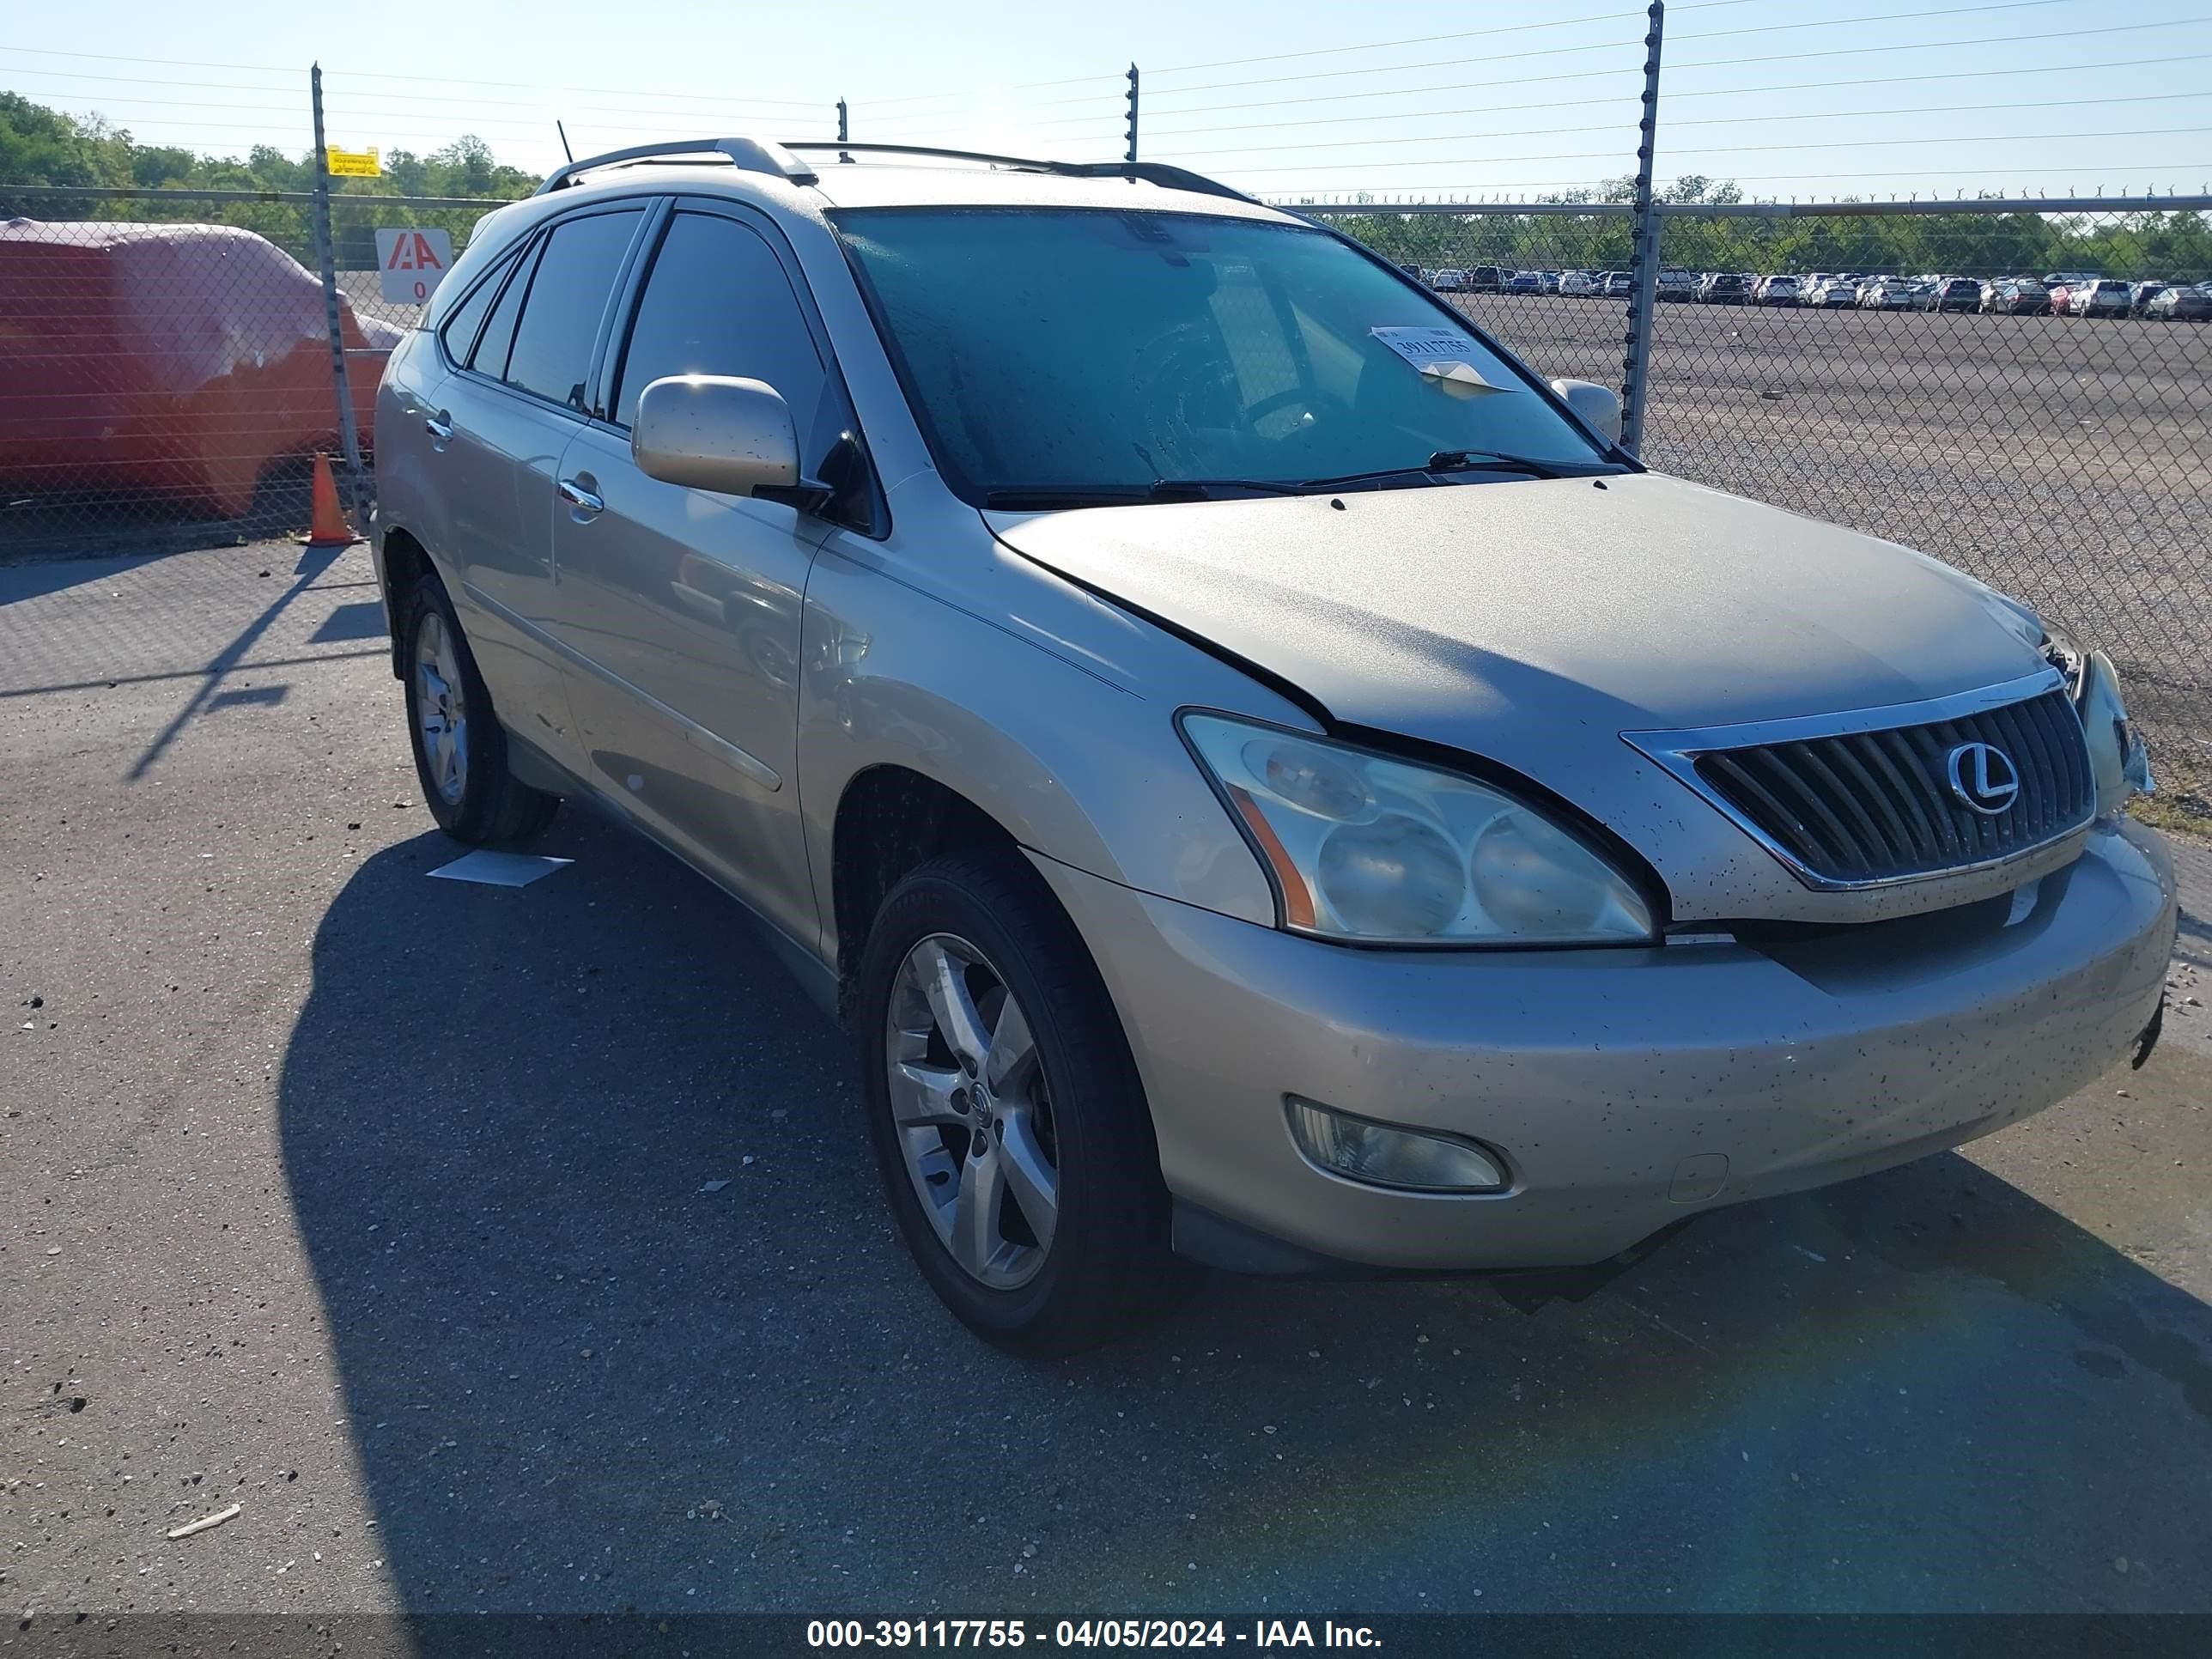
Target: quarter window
point(489, 357)
point(460, 332)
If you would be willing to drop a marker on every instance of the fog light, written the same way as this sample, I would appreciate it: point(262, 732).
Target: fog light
point(1381, 1156)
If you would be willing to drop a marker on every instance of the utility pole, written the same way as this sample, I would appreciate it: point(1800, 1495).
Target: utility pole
point(844, 129)
point(1643, 303)
point(325, 256)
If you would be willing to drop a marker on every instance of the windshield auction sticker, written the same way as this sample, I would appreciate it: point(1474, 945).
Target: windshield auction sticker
point(1443, 354)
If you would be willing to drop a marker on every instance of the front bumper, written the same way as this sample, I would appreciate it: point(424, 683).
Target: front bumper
point(1626, 1088)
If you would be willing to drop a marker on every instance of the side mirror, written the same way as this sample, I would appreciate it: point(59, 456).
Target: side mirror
point(715, 432)
point(1598, 405)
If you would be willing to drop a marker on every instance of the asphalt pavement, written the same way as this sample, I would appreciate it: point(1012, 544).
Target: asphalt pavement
point(386, 1209)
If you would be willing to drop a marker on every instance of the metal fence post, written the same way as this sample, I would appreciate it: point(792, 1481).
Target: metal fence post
point(1132, 157)
point(1643, 303)
point(326, 255)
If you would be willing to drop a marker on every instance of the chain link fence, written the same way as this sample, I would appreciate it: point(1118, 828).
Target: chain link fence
point(2066, 459)
point(170, 378)
point(166, 367)
point(354, 221)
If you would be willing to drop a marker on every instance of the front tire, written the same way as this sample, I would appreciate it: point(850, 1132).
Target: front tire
point(1008, 1120)
point(460, 750)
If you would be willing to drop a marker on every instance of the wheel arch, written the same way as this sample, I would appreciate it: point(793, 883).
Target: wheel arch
point(403, 563)
point(890, 820)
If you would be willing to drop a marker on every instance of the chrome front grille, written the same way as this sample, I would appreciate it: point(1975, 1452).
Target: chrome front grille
point(1878, 805)
point(1866, 799)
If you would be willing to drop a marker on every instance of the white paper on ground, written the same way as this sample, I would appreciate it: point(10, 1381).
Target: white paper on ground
point(496, 869)
point(1442, 355)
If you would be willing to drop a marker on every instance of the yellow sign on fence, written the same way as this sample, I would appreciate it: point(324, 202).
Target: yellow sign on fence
point(355, 163)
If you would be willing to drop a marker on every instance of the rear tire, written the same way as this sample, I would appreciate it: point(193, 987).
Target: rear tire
point(1008, 1120)
point(460, 749)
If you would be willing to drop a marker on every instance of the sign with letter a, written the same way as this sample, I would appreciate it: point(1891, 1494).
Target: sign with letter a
point(410, 262)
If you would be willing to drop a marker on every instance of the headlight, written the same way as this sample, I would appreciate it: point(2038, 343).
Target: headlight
point(2118, 757)
point(2119, 761)
point(1366, 847)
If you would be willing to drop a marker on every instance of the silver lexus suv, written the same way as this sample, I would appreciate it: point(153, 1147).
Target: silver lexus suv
point(1265, 778)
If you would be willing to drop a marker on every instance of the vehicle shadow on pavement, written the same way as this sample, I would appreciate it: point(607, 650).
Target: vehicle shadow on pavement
point(578, 1379)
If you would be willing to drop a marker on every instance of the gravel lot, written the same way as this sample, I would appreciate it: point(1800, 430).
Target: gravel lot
point(2068, 462)
point(373, 1205)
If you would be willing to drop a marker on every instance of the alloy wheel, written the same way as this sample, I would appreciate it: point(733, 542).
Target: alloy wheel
point(972, 1112)
point(441, 715)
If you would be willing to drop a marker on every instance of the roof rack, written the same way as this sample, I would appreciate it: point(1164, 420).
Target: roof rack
point(748, 155)
point(1026, 163)
point(1159, 173)
point(781, 161)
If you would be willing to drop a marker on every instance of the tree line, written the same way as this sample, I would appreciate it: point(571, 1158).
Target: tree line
point(43, 146)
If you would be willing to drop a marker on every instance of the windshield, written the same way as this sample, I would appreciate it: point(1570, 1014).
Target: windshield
point(1075, 349)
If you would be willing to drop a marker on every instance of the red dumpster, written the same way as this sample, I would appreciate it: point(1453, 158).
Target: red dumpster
point(176, 360)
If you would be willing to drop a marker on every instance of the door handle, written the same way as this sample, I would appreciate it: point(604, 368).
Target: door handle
point(439, 426)
point(584, 501)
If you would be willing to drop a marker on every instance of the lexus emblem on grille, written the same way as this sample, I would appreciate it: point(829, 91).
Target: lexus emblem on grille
point(1984, 777)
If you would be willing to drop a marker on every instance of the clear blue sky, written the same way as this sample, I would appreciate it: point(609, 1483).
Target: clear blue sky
point(1288, 97)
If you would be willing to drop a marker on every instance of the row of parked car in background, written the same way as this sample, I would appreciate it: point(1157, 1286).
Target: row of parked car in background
point(2058, 292)
point(1502, 279)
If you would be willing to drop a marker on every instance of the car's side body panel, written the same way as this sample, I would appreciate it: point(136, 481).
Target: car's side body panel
point(941, 651)
point(679, 611)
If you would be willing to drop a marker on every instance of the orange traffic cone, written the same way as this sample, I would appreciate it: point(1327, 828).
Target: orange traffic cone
point(326, 526)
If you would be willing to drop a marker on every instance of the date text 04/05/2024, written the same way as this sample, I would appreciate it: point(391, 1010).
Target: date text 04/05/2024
point(1265, 1635)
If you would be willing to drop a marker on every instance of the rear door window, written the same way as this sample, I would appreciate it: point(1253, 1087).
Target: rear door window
point(567, 300)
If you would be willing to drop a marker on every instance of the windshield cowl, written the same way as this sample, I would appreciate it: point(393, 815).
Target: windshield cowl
point(1438, 470)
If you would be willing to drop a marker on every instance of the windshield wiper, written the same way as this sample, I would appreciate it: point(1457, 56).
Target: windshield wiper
point(1044, 498)
point(1459, 460)
point(1466, 461)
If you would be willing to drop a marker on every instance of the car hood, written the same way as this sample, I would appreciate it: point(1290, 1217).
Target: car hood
point(1532, 621)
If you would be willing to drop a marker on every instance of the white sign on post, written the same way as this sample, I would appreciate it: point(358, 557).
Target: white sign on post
point(410, 262)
